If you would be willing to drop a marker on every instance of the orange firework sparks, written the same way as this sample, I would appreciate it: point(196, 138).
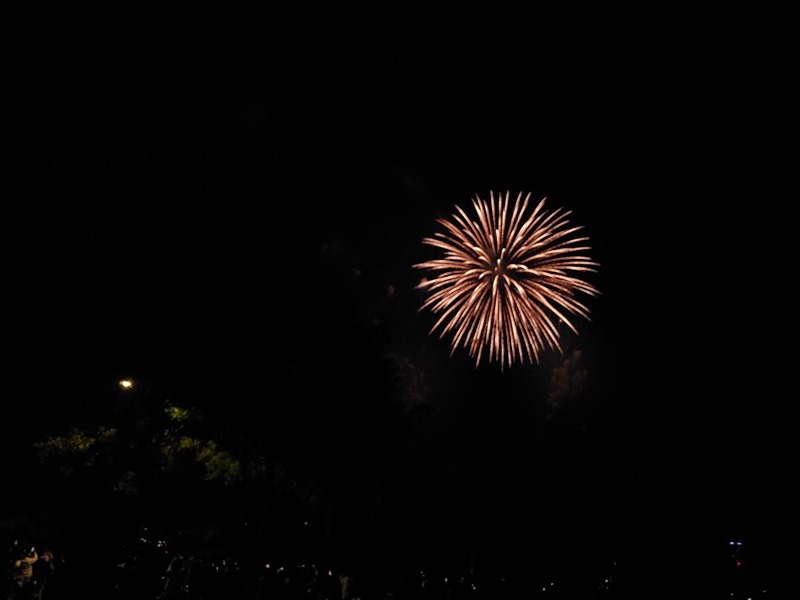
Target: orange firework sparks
point(508, 279)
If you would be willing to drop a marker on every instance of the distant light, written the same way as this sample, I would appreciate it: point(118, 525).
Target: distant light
point(126, 384)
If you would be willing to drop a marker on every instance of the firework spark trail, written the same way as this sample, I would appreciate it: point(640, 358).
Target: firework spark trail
point(506, 281)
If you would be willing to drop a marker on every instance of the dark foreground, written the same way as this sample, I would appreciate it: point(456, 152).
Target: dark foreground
point(154, 569)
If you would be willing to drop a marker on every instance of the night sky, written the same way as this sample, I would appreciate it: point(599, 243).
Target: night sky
point(229, 207)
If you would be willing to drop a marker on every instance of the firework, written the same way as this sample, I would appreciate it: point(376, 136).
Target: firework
point(507, 280)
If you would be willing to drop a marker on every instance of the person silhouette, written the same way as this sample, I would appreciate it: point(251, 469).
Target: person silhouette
point(43, 569)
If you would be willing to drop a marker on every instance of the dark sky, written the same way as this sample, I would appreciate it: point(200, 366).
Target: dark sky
point(241, 198)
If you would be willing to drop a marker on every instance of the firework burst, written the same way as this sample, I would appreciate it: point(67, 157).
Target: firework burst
point(508, 279)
